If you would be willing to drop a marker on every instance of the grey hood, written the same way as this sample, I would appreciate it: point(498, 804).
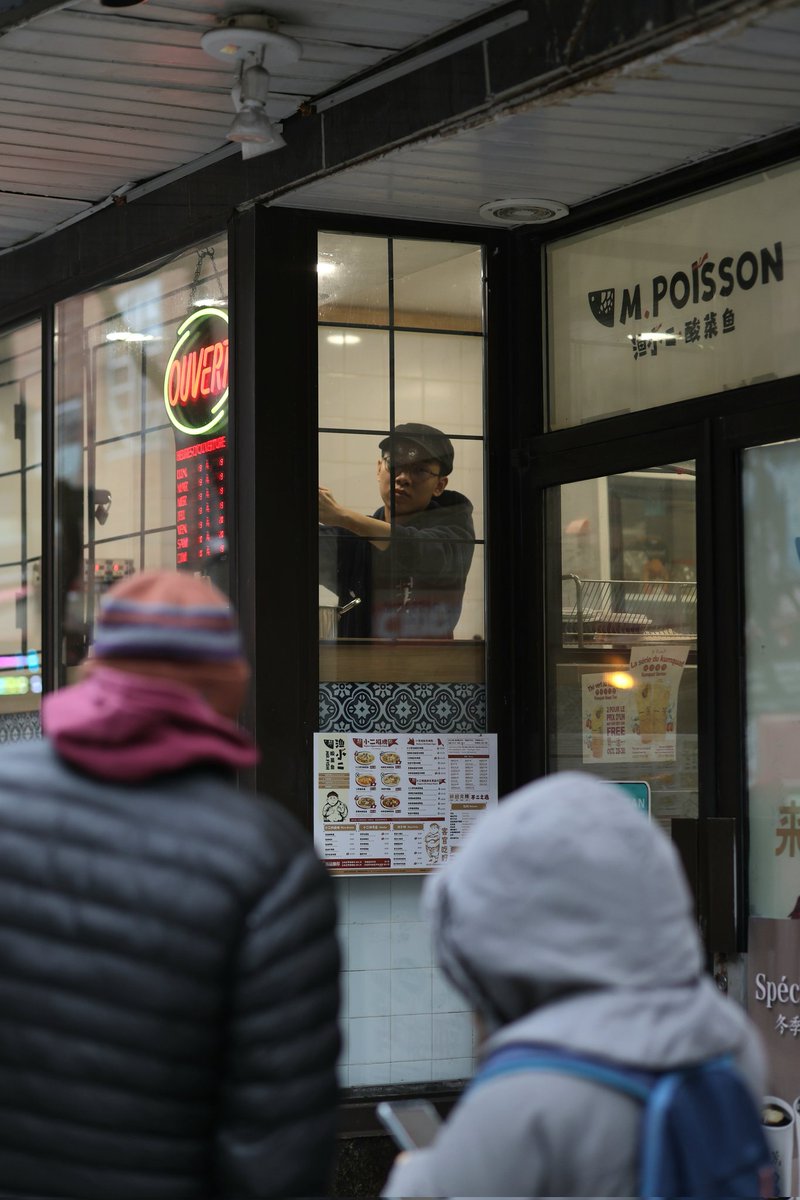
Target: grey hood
point(566, 919)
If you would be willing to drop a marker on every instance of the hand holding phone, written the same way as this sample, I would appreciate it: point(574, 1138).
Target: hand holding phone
point(412, 1123)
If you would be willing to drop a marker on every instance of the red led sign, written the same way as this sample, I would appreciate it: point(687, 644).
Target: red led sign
point(200, 493)
point(196, 376)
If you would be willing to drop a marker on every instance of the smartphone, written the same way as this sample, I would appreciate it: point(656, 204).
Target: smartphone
point(412, 1123)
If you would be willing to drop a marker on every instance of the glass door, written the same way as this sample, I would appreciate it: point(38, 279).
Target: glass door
point(622, 633)
point(771, 513)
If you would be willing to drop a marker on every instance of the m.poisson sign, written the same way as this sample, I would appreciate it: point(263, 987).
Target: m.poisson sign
point(702, 281)
point(196, 375)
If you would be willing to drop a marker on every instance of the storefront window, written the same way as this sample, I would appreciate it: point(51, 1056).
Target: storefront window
point(401, 399)
point(141, 434)
point(621, 631)
point(20, 531)
point(771, 494)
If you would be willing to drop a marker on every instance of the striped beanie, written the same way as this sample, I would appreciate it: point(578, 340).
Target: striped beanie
point(175, 626)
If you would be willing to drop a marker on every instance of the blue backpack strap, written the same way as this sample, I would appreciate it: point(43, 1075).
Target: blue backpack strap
point(530, 1056)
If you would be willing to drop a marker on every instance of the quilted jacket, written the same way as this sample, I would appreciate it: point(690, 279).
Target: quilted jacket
point(168, 989)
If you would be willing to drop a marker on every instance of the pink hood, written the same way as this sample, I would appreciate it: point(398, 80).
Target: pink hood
point(121, 726)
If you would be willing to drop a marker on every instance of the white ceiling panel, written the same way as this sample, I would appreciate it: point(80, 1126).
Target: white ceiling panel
point(734, 85)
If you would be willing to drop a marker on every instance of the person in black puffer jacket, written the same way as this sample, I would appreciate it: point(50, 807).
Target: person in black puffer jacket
point(168, 958)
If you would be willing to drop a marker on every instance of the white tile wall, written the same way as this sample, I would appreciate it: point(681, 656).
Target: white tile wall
point(370, 946)
point(453, 1035)
point(411, 990)
point(411, 944)
point(411, 1037)
point(401, 1021)
point(369, 993)
point(353, 379)
point(369, 1039)
point(439, 380)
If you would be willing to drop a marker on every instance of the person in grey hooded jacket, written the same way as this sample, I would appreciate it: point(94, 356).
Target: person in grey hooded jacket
point(566, 920)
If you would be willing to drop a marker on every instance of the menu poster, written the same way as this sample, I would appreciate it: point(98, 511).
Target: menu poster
point(605, 720)
point(631, 715)
point(656, 672)
point(394, 803)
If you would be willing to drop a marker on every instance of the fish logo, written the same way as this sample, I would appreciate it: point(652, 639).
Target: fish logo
point(602, 306)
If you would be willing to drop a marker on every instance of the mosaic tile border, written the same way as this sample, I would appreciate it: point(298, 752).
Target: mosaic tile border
point(403, 707)
point(19, 727)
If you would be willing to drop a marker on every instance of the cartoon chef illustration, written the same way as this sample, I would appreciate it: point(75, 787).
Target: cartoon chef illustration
point(433, 843)
point(334, 808)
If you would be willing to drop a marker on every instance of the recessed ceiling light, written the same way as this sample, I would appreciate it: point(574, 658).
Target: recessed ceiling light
point(525, 211)
point(343, 339)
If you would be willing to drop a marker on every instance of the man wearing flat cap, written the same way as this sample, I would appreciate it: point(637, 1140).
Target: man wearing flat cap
point(406, 565)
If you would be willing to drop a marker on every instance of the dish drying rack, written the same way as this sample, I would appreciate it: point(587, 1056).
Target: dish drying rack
point(620, 611)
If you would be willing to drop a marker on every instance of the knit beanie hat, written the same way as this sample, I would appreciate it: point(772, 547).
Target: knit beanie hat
point(176, 626)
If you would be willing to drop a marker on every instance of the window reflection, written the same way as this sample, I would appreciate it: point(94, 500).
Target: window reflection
point(20, 522)
point(141, 434)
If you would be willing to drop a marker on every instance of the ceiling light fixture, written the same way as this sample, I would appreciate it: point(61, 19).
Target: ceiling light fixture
point(524, 211)
point(252, 40)
point(252, 127)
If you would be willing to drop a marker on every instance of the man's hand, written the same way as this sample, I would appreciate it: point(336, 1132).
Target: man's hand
point(330, 512)
point(333, 513)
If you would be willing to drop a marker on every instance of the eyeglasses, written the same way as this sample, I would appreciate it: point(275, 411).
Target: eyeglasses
point(418, 473)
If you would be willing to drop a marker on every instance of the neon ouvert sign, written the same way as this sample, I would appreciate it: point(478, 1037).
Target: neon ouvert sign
point(196, 375)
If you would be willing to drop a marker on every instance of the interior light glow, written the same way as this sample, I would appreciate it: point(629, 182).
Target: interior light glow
point(620, 679)
point(343, 339)
point(127, 335)
point(14, 685)
point(325, 268)
point(18, 662)
point(655, 335)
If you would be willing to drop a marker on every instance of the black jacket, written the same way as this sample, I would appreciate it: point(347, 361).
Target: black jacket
point(415, 588)
point(168, 989)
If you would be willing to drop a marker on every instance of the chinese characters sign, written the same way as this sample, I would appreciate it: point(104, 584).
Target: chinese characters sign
point(632, 715)
point(391, 803)
point(687, 300)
